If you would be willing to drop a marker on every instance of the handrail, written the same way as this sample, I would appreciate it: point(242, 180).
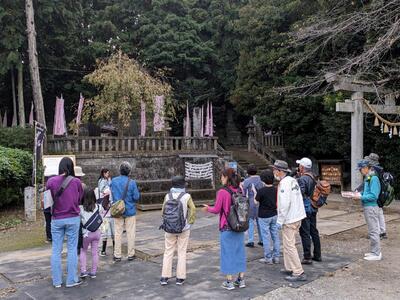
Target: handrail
point(88, 144)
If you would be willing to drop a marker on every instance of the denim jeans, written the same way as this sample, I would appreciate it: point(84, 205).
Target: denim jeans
point(269, 230)
point(59, 228)
point(250, 231)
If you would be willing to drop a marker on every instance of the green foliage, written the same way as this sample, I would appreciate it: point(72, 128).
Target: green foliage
point(122, 85)
point(15, 175)
point(17, 137)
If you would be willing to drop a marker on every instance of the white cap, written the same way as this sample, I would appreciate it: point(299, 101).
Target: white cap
point(305, 162)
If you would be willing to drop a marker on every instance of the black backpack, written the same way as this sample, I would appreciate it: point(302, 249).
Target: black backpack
point(94, 221)
point(386, 196)
point(173, 217)
point(238, 218)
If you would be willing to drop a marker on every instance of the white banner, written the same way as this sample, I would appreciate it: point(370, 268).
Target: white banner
point(204, 171)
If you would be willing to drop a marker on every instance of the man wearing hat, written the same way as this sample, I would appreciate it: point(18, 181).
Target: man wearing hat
point(290, 213)
point(308, 229)
point(369, 198)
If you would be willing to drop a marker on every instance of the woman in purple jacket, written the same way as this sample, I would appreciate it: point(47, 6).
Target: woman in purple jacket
point(65, 222)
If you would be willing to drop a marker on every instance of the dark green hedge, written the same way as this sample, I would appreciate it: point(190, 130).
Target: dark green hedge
point(17, 137)
point(15, 175)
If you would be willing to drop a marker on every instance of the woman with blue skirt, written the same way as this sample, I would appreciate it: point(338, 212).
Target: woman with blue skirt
point(232, 252)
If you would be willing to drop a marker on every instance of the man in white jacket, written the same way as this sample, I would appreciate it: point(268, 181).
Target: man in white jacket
point(290, 213)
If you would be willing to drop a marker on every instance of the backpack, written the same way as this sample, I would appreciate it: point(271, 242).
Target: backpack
point(386, 196)
point(118, 208)
point(321, 192)
point(238, 218)
point(94, 222)
point(173, 217)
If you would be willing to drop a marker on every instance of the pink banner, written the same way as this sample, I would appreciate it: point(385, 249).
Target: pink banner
point(207, 126)
point(211, 130)
point(59, 127)
point(14, 121)
point(80, 108)
point(187, 129)
point(142, 118)
point(158, 121)
point(31, 116)
point(202, 121)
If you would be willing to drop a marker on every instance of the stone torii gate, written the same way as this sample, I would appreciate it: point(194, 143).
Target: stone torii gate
point(355, 106)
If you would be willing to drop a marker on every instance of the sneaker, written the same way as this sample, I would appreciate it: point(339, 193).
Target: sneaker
point(57, 286)
point(368, 254)
point(266, 261)
point(228, 285)
point(240, 283)
point(319, 259)
point(180, 281)
point(306, 261)
point(294, 278)
point(275, 260)
point(163, 280)
point(92, 275)
point(383, 236)
point(260, 244)
point(250, 245)
point(83, 275)
point(131, 258)
point(74, 284)
point(286, 272)
point(373, 257)
point(103, 253)
point(117, 259)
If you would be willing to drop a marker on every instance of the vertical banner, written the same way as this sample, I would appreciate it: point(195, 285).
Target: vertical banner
point(187, 129)
point(5, 119)
point(202, 121)
point(59, 127)
point(142, 118)
point(159, 114)
point(40, 134)
point(211, 130)
point(80, 108)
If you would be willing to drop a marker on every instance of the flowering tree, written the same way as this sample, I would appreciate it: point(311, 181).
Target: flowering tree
point(122, 84)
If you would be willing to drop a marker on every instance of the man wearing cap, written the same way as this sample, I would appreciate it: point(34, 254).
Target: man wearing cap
point(290, 213)
point(308, 229)
point(369, 198)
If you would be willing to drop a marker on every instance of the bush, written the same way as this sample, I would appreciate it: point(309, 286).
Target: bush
point(17, 137)
point(15, 175)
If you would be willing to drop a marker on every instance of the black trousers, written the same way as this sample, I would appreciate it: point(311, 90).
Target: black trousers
point(308, 233)
point(47, 217)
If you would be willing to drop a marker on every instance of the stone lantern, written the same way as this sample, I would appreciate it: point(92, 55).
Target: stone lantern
point(251, 131)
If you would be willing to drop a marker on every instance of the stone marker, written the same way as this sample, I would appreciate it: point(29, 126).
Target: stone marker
point(29, 204)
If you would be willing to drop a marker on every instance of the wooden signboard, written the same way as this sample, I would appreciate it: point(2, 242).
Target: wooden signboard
point(332, 173)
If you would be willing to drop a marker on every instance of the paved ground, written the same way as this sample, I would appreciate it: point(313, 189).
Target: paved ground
point(26, 274)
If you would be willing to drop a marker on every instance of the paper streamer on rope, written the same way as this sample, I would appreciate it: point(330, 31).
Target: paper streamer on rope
point(203, 171)
point(59, 127)
point(158, 114)
point(80, 108)
point(142, 118)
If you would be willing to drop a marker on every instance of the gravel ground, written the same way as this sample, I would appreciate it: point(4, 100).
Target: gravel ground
point(359, 280)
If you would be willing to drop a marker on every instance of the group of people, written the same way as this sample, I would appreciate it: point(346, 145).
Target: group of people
point(278, 202)
point(75, 206)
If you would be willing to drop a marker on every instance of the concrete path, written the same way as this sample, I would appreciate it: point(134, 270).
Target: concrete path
point(26, 274)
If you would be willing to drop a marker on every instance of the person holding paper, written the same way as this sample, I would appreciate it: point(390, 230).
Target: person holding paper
point(369, 198)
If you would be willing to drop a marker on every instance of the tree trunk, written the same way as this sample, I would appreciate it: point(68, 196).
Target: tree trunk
point(21, 106)
point(14, 117)
point(33, 63)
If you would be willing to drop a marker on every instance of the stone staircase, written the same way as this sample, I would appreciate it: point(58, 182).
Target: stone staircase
point(244, 158)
